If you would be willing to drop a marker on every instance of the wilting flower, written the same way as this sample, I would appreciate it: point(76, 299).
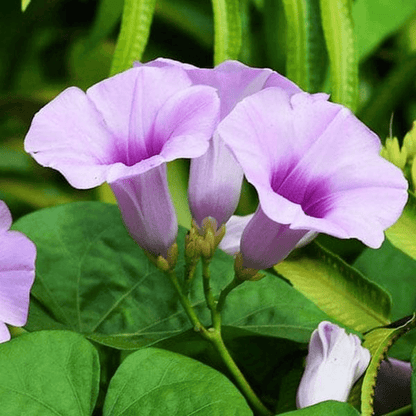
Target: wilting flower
point(17, 273)
point(316, 168)
point(123, 130)
point(215, 178)
point(334, 363)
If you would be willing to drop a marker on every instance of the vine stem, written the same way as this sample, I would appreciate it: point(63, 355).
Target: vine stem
point(214, 335)
point(224, 293)
point(209, 297)
point(186, 304)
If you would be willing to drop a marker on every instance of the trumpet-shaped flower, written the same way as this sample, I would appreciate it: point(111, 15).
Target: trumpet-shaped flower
point(122, 131)
point(17, 273)
point(334, 363)
point(316, 168)
point(215, 178)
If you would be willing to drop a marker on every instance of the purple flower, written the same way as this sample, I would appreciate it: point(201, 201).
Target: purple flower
point(123, 130)
point(393, 386)
point(316, 168)
point(17, 273)
point(215, 178)
point(334, 363)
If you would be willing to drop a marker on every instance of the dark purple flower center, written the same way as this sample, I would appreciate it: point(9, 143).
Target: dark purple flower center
point(312, 194)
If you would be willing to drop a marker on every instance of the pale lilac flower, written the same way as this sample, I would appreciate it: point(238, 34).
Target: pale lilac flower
point(17, 273)
point(334, 363)
point(215, 178)
point(122, 131)
point(316, 168)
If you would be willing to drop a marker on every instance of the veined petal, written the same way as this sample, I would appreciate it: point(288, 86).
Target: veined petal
point(216, 177)
point(116, 129)
point(314, 165)
point(70, 135)
point(17, 274)
point(147, 210)
point(233, 80)
point(214, 184)
point(129, 103)
point(265, 242)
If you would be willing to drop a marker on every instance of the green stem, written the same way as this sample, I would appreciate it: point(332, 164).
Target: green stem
point(224, 293)
point(209, 297)
point(216, 339)
point(214, 334)
point(186, 304)
point(189, 276)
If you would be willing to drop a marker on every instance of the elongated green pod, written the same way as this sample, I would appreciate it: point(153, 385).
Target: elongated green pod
point(338, 29)
point(134, 33)
point(24, 5)
point(227, 30)
point(306, 58)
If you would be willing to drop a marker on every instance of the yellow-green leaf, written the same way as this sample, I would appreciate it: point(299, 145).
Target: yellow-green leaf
point(402, 234)
point(337, 288)
point(379, 342)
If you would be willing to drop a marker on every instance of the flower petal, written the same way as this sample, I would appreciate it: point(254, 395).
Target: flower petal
point(17, 274)
point(123, 126)
point(147, 210)
point(70, 135)
point(5, 217)
point(314, 165)
point(334, 363)
point(214, 184)
point(265, 242)
point(234, 230)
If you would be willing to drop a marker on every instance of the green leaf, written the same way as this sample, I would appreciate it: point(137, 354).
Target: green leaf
point(91, 277)
point(25, 3)
point(389, 95)
point(157, 382)
point(306, 53)
point(134, 32)
point(402, 234)
point(189, 17)
point(395, 272)
point(378, 342)
point(338, 29)
point(337, 288)
point(227, 30)
point(108, 15)
point(274, 366)
point(329, 408)
point(374, 20)
point(48, 373)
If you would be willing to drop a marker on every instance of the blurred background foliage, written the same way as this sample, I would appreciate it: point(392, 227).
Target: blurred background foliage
point(55, 44)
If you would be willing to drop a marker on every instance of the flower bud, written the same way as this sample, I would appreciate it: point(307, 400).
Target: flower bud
point(334, 363)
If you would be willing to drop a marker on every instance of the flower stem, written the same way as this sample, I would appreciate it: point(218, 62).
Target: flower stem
point(213, 334)
point(216, 339)
point(224, 293)
point(209, 297)
point(186, 304)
